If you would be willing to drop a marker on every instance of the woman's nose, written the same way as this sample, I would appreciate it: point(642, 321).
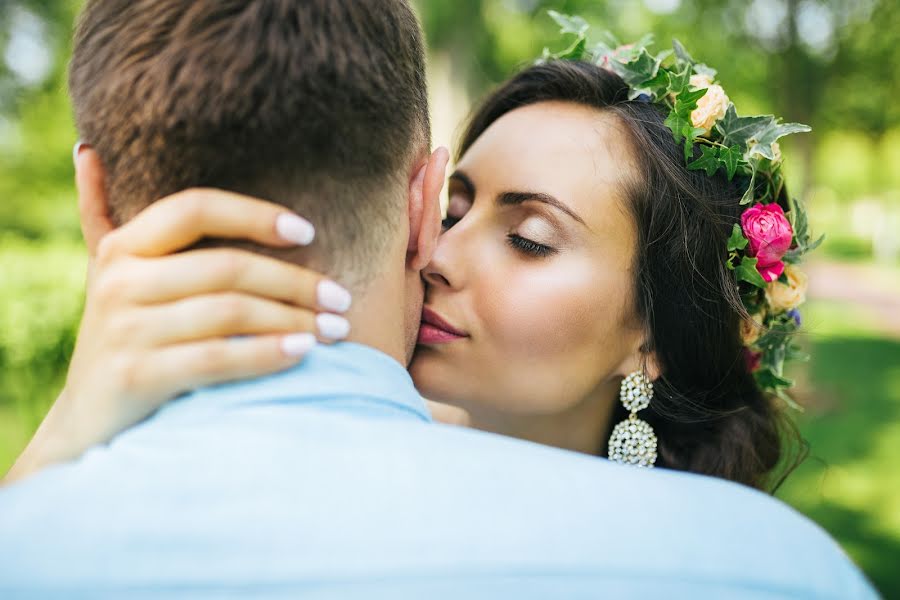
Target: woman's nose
point(445, 268)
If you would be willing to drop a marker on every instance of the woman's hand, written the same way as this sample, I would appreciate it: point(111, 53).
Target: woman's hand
point(157, 324)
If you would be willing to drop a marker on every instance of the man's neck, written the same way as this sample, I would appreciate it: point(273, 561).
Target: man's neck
point(377, 317)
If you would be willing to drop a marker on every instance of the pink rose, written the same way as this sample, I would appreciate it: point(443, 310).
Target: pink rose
point(770, 236)
point(752, 359)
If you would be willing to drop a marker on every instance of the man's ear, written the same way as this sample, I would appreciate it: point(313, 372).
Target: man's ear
point(425, 209)
point(93, 206)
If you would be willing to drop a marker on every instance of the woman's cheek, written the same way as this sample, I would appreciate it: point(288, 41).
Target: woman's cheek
point(541, 312)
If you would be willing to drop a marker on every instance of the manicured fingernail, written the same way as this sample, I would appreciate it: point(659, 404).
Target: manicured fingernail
point(333, 327)
point(333, 297)
point(75, 150)
point(294, 229)
point(297, 344)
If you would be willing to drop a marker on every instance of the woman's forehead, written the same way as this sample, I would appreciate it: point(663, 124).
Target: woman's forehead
point(575, 153)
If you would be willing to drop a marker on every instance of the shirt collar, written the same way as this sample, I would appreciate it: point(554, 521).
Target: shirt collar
point(327, 375)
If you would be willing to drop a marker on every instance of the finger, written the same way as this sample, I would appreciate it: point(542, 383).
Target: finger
point(182, 219)
point(199, 272)
point(223, 315)
point(183, 367)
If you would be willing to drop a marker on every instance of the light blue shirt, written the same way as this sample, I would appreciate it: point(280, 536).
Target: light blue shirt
point(331, 481)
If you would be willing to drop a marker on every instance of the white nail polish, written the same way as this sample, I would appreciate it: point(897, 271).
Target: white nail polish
point(297, 344)
point(333, 327)
point(333, 297)
point(294, 229)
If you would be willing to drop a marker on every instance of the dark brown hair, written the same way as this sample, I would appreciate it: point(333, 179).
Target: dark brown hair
point(318, 105)
point(708, 412)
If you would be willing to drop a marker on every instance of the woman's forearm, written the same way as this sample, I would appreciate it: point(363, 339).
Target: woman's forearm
point(51, 444)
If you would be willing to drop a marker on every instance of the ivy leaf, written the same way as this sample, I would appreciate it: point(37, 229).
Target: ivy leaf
point(573, 52)
point(569, 24)
point(795, 353)
point(782, 393)
point(702, 69)
point(654, 88)
point(648, 39)
point(769, 380)
point(761, 142)
point(746, 271)
point(708, 161)
point(686, 101)
point(738, 131)
point(731, 158)
point(815, 244)
point(644, 67)
point(681, 54)
point(677, 124)
point(737, 241)
point(749, 195)
point(678, 82)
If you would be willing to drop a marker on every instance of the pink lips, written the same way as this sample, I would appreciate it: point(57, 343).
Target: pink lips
point(435, 330)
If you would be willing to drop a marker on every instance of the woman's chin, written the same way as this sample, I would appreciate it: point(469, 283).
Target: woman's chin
point(432, 378)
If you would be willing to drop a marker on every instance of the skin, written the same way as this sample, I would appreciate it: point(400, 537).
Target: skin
point(551, 323)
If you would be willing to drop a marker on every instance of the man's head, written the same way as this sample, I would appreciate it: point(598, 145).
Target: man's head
point(319, 105)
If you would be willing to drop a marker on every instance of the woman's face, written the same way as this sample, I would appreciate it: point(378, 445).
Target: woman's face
point(534, 267)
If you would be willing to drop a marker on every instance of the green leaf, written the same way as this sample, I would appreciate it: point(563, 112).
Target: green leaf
point(761, 143)
point(771, 381)
point(682, 54)
point(737, 241)
point(677, 124)
point(648, 39)
point(795, 353)
point(748, 196)
point(702, 69)
point(686, 101)
point(677, 82)
point(815, 244)
point(731, 158)
point(746, 271)
point(644, 67)
point(708, 161)
point(608, 39)
point(573, 52)
point(654, 88)
point(782, 393)
point(569, 24)
point(738, 131)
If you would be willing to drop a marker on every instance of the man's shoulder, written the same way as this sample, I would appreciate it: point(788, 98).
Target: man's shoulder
point(377, 492)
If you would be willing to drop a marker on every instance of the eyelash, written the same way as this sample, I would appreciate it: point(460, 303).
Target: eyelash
point(517, 242)
point(529, 247)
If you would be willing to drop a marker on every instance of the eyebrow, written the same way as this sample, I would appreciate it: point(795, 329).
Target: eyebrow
point(516, 198)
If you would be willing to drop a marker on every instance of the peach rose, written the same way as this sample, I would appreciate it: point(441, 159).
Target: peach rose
point(790, 295)
point(752, 328)
point(700, 81)
point(710, 108)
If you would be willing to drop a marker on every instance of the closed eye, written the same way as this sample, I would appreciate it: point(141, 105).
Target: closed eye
point(529, 247)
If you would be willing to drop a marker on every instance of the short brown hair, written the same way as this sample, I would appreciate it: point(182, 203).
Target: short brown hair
point(316, 104)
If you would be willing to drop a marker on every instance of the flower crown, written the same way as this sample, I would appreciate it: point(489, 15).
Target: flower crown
point(773, 234)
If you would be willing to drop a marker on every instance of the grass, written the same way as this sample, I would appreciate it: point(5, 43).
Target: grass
point(851, 484)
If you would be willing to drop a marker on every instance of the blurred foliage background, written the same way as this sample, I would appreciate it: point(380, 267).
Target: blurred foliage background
point(830, 63)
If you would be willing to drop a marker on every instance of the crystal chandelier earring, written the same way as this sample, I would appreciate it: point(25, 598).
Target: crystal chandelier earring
point(633, 441)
